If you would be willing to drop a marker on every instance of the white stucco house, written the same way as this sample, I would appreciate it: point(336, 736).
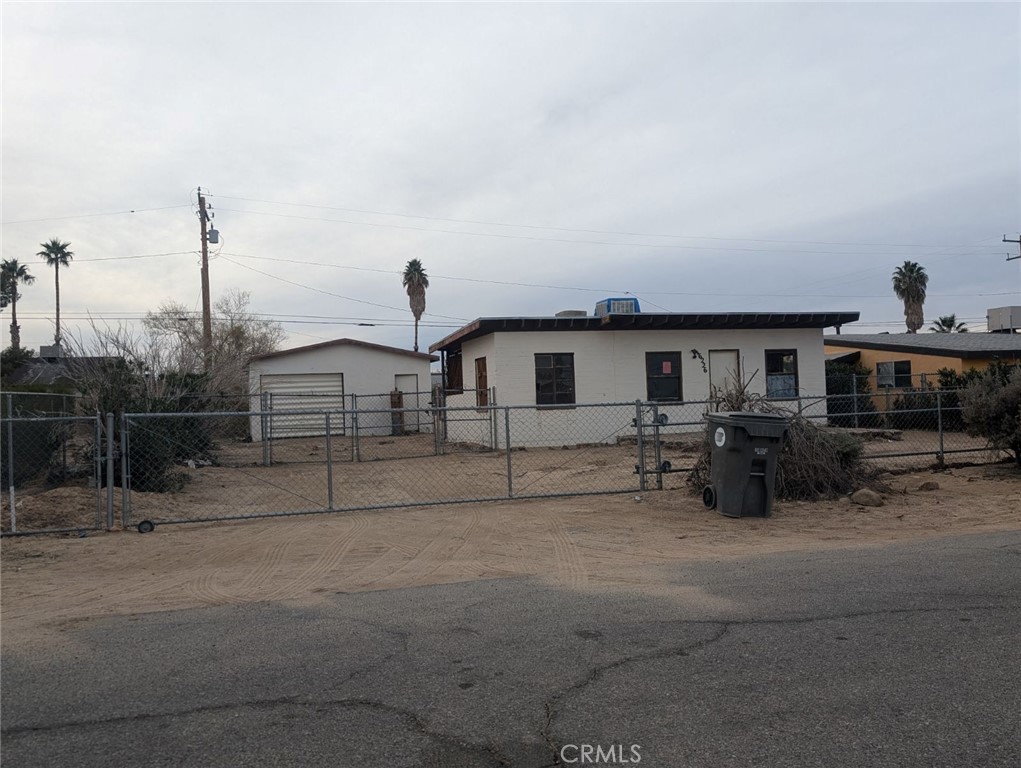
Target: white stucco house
point(337, 375)
point(620, 355)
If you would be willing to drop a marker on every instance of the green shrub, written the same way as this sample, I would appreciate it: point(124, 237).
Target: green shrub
point(849, 396)
point(992, 408)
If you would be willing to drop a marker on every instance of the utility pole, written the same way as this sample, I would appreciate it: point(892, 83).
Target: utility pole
point(207, 320)
point(1018, 241)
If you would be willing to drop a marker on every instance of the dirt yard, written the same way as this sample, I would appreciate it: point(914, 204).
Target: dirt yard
point(599, 543)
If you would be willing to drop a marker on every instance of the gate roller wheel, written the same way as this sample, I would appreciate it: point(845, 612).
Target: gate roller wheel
point(146, 526)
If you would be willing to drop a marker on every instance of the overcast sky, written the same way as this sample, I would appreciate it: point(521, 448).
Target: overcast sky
point(534, 157)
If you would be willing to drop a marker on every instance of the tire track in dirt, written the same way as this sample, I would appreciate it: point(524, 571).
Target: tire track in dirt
point(432, 553)
point(326, 562)
point(204, 587)
point(569, 564)
point(146, 590)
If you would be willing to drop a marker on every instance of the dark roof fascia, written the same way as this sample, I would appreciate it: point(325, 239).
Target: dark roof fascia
point(342, 343)
point(893, 346)
point(484, 326)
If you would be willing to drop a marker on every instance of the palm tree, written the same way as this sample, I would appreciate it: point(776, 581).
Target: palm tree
point(948, 324)
point(415, 280)
point(909, 282)
point(57, 255)
point(14, 273)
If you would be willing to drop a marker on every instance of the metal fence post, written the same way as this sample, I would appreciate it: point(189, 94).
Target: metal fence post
point(939, 425)
point(355, 453)
point(507, 445)
point(640, 442)
point(329, 463)
point(11, 496)
point(269, 424)
point(97, 467)
point(657, 450)
point(854, 394)
point(109, 471)
point(264, 427)
point(125, 471)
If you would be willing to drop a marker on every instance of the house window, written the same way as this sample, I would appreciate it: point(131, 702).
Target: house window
point(895, 373)
point(554, 379)
point(781, 373)
point(481, 382)
point(663, 375)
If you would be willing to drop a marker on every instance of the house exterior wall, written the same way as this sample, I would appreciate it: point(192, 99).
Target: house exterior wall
point(921, 365)
point(609, 367)
point(366, 372)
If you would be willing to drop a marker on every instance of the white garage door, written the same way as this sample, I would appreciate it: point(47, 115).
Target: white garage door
point(314, 392)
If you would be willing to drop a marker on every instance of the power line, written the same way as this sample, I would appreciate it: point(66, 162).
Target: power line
point(140, 256)
point(605, 291)
point(330, 293)
point(533, 238)
point(92, 215)
point(582, 231)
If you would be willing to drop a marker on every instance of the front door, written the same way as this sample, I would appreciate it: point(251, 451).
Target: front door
point(724, 371)
point(407, 384)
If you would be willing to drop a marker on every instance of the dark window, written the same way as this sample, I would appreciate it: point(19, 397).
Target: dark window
point(781, 373)
point(554, 379)
point(481, 382)
point(896, 373)
point(663, 375)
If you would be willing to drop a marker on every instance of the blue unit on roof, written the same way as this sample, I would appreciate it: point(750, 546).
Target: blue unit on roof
point(621, 306)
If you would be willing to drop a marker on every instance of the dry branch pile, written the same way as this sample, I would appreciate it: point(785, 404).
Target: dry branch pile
point(816, 462)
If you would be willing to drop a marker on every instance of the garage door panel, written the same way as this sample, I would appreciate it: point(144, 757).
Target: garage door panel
point(315, 392)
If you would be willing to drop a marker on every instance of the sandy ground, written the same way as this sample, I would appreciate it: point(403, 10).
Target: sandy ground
point(590, 543)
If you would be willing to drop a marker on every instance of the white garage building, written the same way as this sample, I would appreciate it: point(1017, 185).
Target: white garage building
point(339, 375)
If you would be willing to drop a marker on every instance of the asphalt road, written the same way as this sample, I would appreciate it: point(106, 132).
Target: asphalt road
point(899, 655)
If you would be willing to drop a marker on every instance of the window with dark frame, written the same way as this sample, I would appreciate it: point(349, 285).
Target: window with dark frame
point(893, 373)
point(781, 373)
point(554, 379)
point(663, 375)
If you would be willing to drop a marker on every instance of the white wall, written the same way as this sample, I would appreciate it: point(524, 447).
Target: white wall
point(366, 372)
point(609, 367)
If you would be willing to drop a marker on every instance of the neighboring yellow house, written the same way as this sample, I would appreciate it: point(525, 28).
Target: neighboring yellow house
point(903, 360)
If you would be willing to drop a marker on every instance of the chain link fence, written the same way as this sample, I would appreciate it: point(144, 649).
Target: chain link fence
point(52, 472)
point(75, 473)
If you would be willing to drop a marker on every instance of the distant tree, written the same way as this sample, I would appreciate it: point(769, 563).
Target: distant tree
point(415, 281)
point(57, 255)
point(909, 284)
point(238, 334)
point(948, 324)
point(14, 273)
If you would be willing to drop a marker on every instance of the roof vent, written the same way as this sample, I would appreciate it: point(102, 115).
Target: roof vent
point(626, 306)
point(572, 313)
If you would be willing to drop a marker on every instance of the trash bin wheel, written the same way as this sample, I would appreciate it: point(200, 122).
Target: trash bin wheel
point(146, 526)
point(709, 497)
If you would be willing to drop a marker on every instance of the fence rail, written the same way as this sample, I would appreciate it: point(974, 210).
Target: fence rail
point(74, 473)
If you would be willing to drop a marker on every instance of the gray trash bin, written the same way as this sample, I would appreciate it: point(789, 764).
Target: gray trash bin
point(746, 447)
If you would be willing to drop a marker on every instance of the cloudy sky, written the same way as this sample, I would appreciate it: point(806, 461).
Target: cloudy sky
point(534, 157)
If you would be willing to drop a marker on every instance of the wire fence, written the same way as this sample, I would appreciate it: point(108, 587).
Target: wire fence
point(74, 473)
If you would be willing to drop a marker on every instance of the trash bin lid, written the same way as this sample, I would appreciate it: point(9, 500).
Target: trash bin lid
point(755, 424)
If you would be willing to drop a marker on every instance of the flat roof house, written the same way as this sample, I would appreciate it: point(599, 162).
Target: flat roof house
point(618, 356)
